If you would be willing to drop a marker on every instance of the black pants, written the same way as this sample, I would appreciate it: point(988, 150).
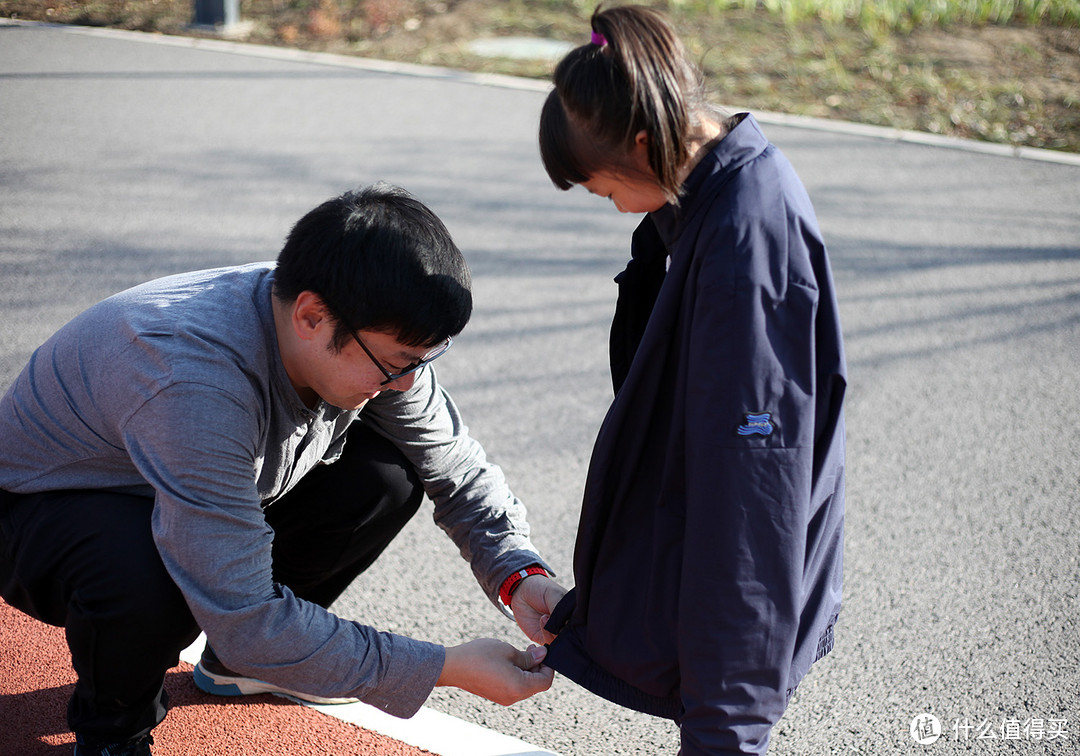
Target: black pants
point(86, 561)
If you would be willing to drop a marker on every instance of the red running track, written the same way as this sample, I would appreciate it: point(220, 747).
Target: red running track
point(36, 680)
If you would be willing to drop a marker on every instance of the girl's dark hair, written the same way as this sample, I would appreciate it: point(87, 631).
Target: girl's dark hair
point(380, 260)
point(639, 79)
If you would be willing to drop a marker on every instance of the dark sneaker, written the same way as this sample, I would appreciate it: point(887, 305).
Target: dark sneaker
point(211, 676)
point(135, 747)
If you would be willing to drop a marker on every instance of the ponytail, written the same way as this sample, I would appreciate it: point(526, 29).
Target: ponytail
point(634, 76)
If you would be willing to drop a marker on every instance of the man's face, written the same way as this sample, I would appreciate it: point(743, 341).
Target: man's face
point(349, 378)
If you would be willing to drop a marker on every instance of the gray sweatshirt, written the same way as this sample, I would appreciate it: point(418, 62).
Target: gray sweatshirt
point(175, 390)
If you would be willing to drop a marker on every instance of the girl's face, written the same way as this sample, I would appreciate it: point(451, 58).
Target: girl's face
point(630, 195)
point(634, 188)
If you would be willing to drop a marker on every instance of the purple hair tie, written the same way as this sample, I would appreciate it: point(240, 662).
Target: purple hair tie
point(598, 39)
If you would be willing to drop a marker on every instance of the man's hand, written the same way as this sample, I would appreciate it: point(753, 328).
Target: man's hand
point(496, 671)
point(532, 604)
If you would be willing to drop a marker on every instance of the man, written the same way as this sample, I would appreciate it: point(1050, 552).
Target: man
point(227, 450)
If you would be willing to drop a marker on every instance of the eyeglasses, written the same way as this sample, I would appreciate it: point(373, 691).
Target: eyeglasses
point(431, 356)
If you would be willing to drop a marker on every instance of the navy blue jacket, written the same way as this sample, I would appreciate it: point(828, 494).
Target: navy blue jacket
point(708, 562)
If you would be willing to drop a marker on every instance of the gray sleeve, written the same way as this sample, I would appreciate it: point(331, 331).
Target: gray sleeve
point(473, 502)
point(194, 444)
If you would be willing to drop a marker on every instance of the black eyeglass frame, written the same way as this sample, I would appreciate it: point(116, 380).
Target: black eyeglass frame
point(430, 357)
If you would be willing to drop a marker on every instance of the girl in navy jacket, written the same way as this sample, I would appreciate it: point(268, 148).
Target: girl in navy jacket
point(708, 562)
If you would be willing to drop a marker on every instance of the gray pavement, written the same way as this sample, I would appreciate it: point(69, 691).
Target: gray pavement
point(959, 283)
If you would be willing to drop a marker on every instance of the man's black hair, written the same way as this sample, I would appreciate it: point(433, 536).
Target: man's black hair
point(380, 260)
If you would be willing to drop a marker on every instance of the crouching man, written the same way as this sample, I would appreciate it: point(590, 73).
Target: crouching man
point(226, 450)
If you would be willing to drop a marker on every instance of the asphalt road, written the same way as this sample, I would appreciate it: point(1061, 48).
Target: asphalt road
point(959, 283)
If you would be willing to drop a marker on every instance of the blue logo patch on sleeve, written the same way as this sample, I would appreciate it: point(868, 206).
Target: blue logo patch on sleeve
point(756, 425)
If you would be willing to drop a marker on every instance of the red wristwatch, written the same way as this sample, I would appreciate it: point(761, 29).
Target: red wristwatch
point(511, 583)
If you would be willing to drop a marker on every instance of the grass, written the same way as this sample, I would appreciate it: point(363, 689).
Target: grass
point(1005, 71)
point(876, 16)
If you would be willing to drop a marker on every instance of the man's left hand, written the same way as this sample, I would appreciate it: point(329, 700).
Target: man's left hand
point(533, 602)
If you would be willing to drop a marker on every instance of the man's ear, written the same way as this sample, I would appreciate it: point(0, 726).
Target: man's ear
point(309, 314)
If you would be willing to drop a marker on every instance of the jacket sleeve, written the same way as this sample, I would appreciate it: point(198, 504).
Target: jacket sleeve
point(749, 430)
point(193, 443)
point(473, 503)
